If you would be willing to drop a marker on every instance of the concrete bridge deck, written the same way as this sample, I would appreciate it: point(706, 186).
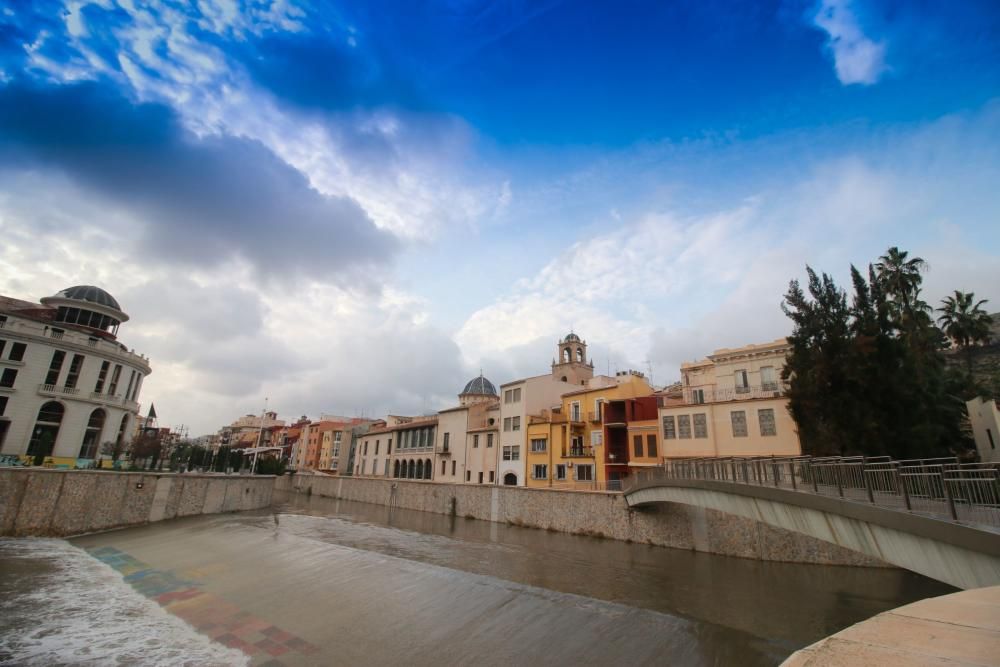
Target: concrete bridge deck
point(962, 555)
point(958, 629)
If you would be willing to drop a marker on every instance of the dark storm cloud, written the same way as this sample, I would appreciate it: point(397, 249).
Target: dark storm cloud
point(201, 200)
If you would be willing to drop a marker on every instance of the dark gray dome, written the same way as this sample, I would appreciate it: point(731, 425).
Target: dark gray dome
point(572, 338)
point(91, 294)
point(480, 386)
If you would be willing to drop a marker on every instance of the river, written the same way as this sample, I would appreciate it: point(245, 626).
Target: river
point(326, 582)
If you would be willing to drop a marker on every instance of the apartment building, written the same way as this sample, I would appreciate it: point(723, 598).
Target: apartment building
point(731, 403)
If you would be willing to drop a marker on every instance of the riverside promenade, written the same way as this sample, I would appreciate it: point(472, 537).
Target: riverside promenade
point(958, 629)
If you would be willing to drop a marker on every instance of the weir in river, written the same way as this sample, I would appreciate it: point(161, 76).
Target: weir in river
point(321, 581)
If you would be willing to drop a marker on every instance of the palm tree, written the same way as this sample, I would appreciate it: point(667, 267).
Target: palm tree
point(900, 279)
point(965, 322)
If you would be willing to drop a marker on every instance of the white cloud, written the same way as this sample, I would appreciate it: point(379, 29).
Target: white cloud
point(856, 57)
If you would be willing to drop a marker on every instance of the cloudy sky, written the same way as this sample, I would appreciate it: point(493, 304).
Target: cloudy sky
point(352, 207)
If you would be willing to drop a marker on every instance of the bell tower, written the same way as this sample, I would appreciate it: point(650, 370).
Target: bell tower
point(572, 364)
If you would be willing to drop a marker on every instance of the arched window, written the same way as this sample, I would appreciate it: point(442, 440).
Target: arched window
point(420, 469)
point(427, 469)
point(43, 437)
point(92, 435)
point(510, 479)
point(411, 469)
point(395, 468)
point(567, 356)
point(579, 354)
point(563, 378)
point(122, 430)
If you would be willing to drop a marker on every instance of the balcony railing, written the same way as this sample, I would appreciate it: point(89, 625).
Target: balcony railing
point(579, 452)
point(52, 390)
point(594, 417)
point(722, 394)
point(444, 449)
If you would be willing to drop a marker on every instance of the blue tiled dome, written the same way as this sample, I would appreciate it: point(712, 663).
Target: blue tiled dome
point(480, 386)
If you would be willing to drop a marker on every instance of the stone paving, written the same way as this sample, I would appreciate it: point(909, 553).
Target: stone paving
point(958, 629)
point(267, 644)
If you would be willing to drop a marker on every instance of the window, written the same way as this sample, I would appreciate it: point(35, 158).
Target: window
point(55, 366)
point(517, 395)
point(8, 377)
point(101, 377)
point(492, 477)
point(43, 437)
point(700, 425)
point(447, 439)
point(135, 389)
point(637, 445)
point(3, 405)
point(468, 475)
point(516, 423)
point(366, 448)
point(475, 441)
point(338, 435)
point(386, 473)
point(561, 471)
point(698, 396)
point(585, 473)
point(444, 467)
point(742, 386)
point(92, 434)
point(768, 382)
point(3, 344)
point(669, 432)
point(489, 440)
point(651, 445)
point(128, 389)
point(453, 468)
point(537, 445)
point(574, 411)
point(377, 443)
point(17, 352)
point(423, 438)
point(508, 396)
point(113, 387)
point(576, 445)
point(989, 433)
point(739, 419)
point(539, 471)
point(480, 477)
point(596, 438)
point(336, 449)
point(374, 466)
point(511, 453)
point(74, 372)
point(597, 409)
point(766, 419)
point(684, 426)
point(506, 423)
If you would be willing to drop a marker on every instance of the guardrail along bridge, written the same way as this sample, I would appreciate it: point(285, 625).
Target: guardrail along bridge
point(938, 517)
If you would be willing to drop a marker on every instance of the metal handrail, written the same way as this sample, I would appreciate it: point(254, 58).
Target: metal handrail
point(940, 488)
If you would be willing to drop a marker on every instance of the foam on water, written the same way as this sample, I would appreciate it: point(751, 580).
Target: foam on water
point(60, 606)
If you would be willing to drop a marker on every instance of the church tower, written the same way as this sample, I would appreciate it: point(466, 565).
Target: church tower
point(572, 364)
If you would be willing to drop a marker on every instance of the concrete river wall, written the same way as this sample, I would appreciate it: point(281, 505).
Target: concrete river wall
point(58, 503)
point(587, 513)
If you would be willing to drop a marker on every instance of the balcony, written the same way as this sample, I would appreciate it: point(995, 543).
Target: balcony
point(723, 394)
point(53, 390)
point(444, 450)
point(594, 417)
point(585, 452)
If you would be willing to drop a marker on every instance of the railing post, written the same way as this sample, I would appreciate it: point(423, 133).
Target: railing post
point(948, 496)
point(868, 484)
point(840, 484)
point(812, 473)
point(791, 473)
point(901, 483)
point(774, 471)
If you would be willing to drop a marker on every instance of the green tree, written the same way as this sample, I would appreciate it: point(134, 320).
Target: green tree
point(965, 323)
point(869, 378)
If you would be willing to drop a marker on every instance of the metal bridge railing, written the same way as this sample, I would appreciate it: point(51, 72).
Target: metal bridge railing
point(941, 488)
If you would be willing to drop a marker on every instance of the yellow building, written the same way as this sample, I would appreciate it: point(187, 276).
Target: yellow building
point(732, 404)
point(566, 446)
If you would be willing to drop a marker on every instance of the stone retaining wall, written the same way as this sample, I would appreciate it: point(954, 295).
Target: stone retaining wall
point(58, 503)
point(587, 513)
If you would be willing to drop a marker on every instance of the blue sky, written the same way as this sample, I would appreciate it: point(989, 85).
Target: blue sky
point(352, 206)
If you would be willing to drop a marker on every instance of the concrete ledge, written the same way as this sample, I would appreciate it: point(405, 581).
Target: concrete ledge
point(40, 502)
point(957, 629)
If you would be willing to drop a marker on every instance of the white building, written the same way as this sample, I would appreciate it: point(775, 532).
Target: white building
point(66, 384)
point(984, 418)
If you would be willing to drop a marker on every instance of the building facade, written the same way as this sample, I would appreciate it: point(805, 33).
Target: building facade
point(731, 404)
point(69, 391)
point(984, 418)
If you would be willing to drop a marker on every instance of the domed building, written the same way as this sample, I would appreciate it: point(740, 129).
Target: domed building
point(478, 390)
point(67, 385)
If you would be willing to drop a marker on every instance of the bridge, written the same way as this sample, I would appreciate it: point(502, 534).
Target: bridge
point(936, 517)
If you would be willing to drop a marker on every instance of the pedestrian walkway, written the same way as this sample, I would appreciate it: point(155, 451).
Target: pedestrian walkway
point(957, 629)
